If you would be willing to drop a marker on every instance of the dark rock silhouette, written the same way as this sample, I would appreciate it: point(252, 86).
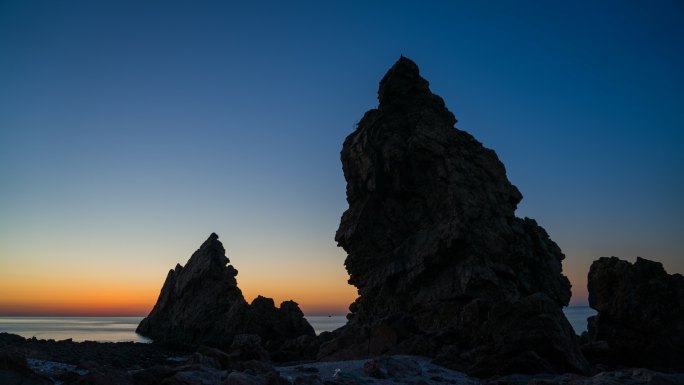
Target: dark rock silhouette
point(640, 320)
point(15, 371)
point(442, 265)
point(152, 364)
point(202, 304)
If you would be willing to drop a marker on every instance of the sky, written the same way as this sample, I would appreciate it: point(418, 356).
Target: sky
point(131, 130)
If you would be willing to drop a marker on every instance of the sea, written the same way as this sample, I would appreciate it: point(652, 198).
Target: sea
point(122, 329)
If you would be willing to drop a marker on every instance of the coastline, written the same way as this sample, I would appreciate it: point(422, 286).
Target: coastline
point(129, 363)
point(122, 329)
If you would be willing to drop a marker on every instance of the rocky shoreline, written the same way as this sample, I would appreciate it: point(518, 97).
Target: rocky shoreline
point(42, 362)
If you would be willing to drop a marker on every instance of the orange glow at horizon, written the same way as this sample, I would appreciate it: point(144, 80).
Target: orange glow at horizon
point(107, 287)
point(85, 279)
point(72, 298)
point(577, 275)
point(109, 296)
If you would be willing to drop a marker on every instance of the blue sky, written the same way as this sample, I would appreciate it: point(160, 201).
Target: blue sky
point(129, 131)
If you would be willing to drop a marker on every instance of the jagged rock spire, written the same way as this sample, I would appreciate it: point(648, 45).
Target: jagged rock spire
point(442, 265)
point(402, 84)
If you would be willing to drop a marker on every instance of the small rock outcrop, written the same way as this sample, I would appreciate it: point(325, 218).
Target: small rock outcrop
point(640, 320)
point(15, 371)
point(200, 303)
point(443, 266)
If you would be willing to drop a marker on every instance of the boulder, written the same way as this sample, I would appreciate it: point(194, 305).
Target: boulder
point(201, 304)
point(237, 378)
point(640, 320)
point(15, 371)
point(443, 266)
point(618, 377)
point(153, 375)
point(108, 377)
point(196, 375)
point(395, 368)
point(219, 357)
point(243, 378)
point(247, 347)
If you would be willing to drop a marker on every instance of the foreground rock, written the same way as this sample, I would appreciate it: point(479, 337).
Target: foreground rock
point(68, 362)
point(202, 304)
point(119, 355)
point(443, 267)
point(640, 320)
point(383, 370)
point(389, 370)
point(40, 362)
point(618, 377)
point(14, 370)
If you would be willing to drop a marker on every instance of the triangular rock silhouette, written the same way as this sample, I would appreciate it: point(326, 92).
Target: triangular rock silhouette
point(202, 304)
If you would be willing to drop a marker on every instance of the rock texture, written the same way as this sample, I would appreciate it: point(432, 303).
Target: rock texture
point(640, 320)
point(40, 362)
point(202, 304)
point(442, 265)
point(15, 371)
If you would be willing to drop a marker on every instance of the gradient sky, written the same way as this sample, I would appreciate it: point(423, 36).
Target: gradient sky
point(129, 132)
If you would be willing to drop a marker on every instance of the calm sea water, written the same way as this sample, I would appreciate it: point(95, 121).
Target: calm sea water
point(326, 323)
point(119, 329)
point(103, 329)
point(577, 315)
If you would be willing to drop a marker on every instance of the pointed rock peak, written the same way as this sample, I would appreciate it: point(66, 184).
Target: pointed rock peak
point(402, 84)
point(211, 256)
point(202, 304)
point(213, 244)
point(213, 238)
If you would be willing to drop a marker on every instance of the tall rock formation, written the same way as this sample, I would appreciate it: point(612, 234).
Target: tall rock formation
point(442, 265)
point(640, 320)
point(202, 304)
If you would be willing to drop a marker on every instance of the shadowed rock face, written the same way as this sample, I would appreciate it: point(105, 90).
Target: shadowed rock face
point(442, 265)
point(640, 319)
point(202, 304)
